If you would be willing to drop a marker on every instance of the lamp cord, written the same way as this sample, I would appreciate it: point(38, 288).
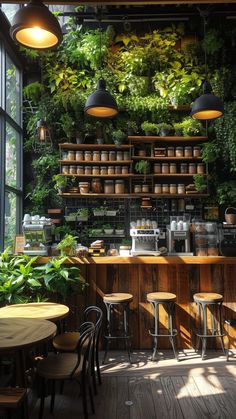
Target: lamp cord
point(100, 45)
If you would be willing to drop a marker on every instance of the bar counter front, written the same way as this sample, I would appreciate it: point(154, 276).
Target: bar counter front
point(181, 275)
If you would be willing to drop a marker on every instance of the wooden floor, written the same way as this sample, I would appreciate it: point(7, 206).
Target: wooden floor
point(190, 389)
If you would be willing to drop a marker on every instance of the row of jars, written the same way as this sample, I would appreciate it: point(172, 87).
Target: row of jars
point(183, 168)
point(95, 170)
point(163, 188)
point(186, 151)
point(95, 155)
point(108, 186)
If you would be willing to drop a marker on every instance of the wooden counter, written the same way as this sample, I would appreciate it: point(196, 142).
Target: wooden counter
point(182, 275)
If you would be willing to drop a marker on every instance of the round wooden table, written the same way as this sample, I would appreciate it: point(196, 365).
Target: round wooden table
point(46, 311)
point(17, 334)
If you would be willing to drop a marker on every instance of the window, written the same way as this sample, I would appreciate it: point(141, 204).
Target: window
point(10, 146)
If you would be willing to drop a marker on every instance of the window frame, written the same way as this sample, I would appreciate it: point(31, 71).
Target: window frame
point(7, 50)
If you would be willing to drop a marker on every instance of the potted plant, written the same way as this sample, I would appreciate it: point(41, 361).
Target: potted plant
point(118, 137)
point(96, 230)
point(149, 128)
point(132, 128)
point(82, 214)
point(110, 212)
point(200, 182)
point(71, 217)
point(191, 127)
point(178, 129)
point(119, 230)
point(108, 229)
point(99, 211)
point(142, 166)
point(67, 246)
point(164, 129)
point(61, 182)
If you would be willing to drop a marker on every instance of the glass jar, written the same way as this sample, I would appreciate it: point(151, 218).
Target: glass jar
point(96, 185)
point(142, 153)
point(188, 151)
point(181, 188)
point(173, 188)
point(112, 155)
point(64, 155)
point(96, 156)
point(65, 170)
point(126, 155)
point(80, 170)
point(87, 156)
point(145, 188)
point(110, 170)
point(72, 170)
point(137, 188)
point(201, 168)
point(79, 155)
point(84, 187)
point(71, 155)
point(173, 168)
point(103, 170)
point(119, 186)
point(109, 187)
point(196, 151)
point(212, 249)
point(192, 169)
point(201, 251)
point(165, 168)
point(157, 168)
point(119, 155)
point(170, 151)
point(88, 170)
point(157, 188)
point(96, 170)
point(124, 170)
point(118, 170)
point(104, 155)
point(165, 188)
point(179, 152)
point(183, 168)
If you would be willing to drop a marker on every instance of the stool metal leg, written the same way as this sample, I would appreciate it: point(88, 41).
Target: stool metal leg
point(107, 341)
point(199, 326)
point(204, 339)
point(220, 328)
point(156, 329)
point(126, 329)
point(170, 310)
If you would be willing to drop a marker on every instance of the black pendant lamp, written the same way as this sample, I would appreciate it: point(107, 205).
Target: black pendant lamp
point(34, 26)
point(207, 106)
point(101, 103)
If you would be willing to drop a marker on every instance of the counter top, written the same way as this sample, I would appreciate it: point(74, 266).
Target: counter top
point(147, 260)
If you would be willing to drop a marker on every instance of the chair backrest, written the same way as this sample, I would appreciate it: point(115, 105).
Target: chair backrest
point(95, 315)
point(84, 347)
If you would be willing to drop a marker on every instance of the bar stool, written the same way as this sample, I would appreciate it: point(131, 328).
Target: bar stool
point(167, 300)
point(111, 301)
point(214, 302)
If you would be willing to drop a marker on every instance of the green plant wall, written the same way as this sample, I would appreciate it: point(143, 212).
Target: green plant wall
point(151, 75)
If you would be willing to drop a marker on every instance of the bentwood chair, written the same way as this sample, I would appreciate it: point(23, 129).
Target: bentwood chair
point(66, 342)
point(69, 366)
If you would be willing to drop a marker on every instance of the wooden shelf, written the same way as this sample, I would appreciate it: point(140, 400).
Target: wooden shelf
point(171, 139)
point(132, 195)
point(167, 158)
point(100, 163)
point(167, 175)
point(94, 146)
point(100, 176)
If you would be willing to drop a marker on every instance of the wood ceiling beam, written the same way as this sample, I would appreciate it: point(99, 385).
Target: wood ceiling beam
point(123, 2)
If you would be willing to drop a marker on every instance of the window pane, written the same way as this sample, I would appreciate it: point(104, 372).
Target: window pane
point(9, 10)
point(10, 218)
point(12, 90)
point(11, 164)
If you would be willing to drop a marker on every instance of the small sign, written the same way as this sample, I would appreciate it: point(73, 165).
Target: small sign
point(19, 244)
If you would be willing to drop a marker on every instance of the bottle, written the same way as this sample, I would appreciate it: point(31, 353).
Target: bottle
point(96, 185)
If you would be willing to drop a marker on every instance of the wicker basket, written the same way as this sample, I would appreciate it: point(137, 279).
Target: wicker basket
point(230, 215)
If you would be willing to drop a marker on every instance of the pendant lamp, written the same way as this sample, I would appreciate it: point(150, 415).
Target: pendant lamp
point(101, 103)
point(34, 26)
point(207, 106)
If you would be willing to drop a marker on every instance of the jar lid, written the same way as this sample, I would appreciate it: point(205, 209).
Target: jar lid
point(173, 185)
point(197, 146)
point(96, 151)
point(164, 185)
point(179, 148)
point(119, 181)
point(96, 179)
point(157, 184)
point(181, 184)
point(83, 183)
point(110, 167)
point(170, 148)
point(103, 167)
point(182, 164)
point(87, 151)
point(104, 151)
point(108, 181)
point(188, 147)
point(88, 167)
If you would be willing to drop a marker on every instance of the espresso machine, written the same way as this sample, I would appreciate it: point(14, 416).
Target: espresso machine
point(145, 241)
point(178, 238)
point(38, 234)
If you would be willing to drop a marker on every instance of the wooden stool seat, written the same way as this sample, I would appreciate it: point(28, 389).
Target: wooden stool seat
point(11, 398)
point(117, 297)
point(66, 342)
point(161, 296)
point(208, 297)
